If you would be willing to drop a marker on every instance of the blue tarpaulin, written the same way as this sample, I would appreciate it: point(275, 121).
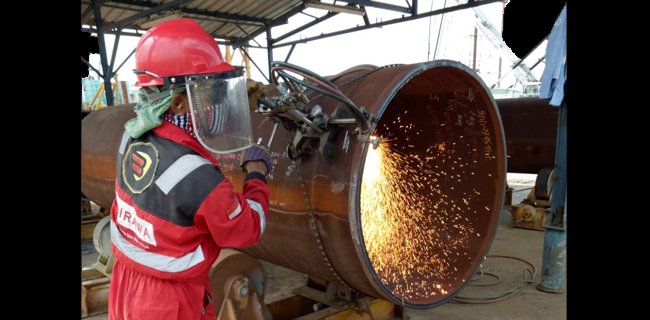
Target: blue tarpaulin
point(554, 76)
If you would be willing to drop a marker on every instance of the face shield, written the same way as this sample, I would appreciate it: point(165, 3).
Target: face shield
point(219, 108)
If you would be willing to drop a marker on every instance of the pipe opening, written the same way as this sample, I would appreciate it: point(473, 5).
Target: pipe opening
point(432, 191)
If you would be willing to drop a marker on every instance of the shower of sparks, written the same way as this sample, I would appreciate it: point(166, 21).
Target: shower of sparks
point(414, 233)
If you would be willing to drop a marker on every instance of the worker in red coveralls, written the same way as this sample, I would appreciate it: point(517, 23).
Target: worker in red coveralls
point(174, 210)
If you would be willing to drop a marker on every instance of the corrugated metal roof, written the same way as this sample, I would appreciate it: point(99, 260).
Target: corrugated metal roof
point(236, 21)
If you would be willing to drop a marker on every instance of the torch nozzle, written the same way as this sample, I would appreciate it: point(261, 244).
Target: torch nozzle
point(375, 141)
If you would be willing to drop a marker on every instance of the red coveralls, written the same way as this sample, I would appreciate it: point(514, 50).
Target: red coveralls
point(173, 212)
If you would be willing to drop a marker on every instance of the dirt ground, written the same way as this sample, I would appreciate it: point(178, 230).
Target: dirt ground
point(510, 258)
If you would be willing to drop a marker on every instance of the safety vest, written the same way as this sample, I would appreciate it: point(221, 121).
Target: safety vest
point(160, 186)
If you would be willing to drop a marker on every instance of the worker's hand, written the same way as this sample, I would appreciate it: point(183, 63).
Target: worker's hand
point(254, 157)
point(255, 90)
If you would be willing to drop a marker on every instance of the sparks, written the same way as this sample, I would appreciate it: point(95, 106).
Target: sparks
point(398, 220)
point(421, 211)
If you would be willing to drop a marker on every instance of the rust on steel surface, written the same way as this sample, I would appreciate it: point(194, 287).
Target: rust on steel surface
point(443, 99)
point(101, 133)
point(530, 125)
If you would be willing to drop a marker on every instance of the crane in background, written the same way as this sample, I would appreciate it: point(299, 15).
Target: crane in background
point(522, 73)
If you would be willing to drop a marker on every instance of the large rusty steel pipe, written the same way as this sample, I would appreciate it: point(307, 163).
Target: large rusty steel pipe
point(530, 125)
point(409, 222)
point(101, 134)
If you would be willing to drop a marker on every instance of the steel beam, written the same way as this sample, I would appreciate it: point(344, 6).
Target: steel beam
point(115, 46)
point(289, 54)
point(269, 51)
point(102, 53)
point(393, 21)
point(279, 21)
point(136, 34)
point(217, 29)
point(228, 16)
point(305, 26)
point(379, 5)
point(246, 33)
point(126, 59)
point(142, 14)
point(89, 65)
point(122, 32)
point(255, 64)
point(203, 16)
point(366, 21)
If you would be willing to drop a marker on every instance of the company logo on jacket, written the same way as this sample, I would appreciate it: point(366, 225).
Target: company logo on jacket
point(139, 167)
point(127, 218)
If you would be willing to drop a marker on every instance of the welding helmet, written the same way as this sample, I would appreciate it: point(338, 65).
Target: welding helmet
point(180, 52)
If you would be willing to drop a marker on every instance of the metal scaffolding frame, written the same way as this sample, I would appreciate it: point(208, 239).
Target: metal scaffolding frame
point(133, 13)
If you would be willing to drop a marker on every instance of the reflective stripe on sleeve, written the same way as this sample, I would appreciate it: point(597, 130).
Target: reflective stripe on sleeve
point(179, 170)
point(258, 208)
point(125, 140)
point(236, 212)
point(153, 260)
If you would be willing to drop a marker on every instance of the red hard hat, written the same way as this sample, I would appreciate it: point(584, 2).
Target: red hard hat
point(176, 48)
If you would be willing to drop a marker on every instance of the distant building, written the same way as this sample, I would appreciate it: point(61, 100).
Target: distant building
point(90, 86)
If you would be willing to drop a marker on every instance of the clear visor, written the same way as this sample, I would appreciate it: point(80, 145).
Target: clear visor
point(219, 107)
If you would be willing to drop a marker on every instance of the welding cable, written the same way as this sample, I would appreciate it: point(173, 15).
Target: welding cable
point(361, 119)
point(321, 90)
point(333, 90)
point(318, 89)
point(365, 125)
point(332, 94)
point(497, 281)
point(297, 69)
point(503, 295)
point(316, 77)
point(475, 277)
point(303, 70)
